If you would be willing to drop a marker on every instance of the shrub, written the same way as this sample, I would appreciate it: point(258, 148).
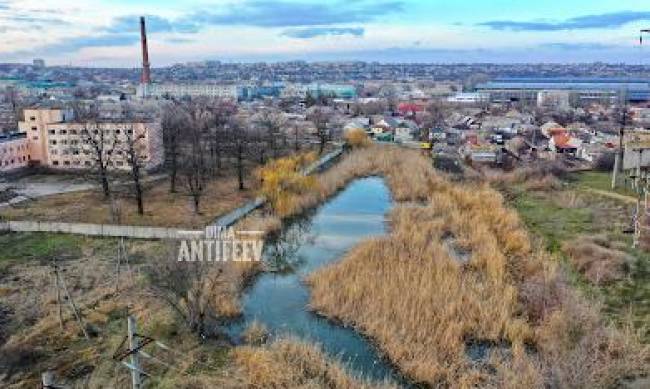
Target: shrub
point(255, 334)
point(357, 137)
point(605, 161)
point(283, 180)
point(599, 264)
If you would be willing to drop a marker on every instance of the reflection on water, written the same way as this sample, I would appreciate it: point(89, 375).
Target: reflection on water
point(279, 299)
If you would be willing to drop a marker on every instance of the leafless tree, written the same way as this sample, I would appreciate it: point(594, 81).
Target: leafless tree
point(189, 289)
point(435, 116)
point(320, 117)
point(297, 135)
point(240, 139)
point(133, 147)
point(174, 120)
point(131, 144)
point(374, 107)
point(271, 123)
point(98, 143)
point(220, 113)
point(194, 166)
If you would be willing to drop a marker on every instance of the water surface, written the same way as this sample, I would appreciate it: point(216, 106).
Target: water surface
point(279, 300)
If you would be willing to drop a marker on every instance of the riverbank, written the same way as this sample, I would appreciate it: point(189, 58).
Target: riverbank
point(428, 308)
point(32, 340)
point(279, 299)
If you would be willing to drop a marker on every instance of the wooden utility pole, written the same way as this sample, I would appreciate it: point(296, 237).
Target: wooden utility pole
point(133, 345)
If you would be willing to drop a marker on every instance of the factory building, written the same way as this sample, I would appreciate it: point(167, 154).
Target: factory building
point(580, 89)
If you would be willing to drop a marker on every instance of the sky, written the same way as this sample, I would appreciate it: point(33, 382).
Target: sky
point(106, 33)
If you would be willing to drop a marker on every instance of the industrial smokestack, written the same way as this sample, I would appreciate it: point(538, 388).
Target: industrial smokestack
point(146, 71)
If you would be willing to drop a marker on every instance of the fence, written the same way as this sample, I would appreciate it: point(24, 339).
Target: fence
point(107, 230)
point(145, 232)
point(233, 216)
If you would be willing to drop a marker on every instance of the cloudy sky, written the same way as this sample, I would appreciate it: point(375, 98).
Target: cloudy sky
point(105, 33)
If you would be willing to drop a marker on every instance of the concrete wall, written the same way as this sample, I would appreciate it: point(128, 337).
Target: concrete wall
point(107, 230)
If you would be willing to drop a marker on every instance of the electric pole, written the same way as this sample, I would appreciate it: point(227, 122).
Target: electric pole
point(622, 119)
point(133, 345)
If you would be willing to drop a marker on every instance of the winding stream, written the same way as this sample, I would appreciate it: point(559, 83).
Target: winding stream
point(279, 299)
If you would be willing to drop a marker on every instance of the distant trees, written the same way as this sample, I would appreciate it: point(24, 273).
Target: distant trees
point(204, 137)
point(376, 107)
point(320, 117)
point(271, 123)
point(173, 122)
point(240, 138)
point(297, 135)
point(436, 114)
point(220, 113)
point(434, 117)
point(194, 167)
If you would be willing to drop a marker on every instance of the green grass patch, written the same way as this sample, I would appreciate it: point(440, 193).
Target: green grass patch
point(31, 245)
point(545, 218)
point(599, 181)
point(21, 247)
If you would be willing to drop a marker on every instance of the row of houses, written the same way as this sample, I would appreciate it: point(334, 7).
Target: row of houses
point(386, 128)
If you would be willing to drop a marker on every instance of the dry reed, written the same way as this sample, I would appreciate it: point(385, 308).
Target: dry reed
point(421, 305)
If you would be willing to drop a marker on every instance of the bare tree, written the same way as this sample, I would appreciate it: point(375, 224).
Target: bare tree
point(189, 289)
point(194, 167)
point(174, 120)
point(320, 116)
point(297, 135)
point(271, 123)
point(240, 139)
point(221, 112)
point(436, 114)
point(98, 143)
point(133, 147)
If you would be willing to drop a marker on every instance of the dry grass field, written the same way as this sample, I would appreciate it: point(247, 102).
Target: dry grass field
point(32, 340)
point(456, 295)
point(427, 309)
point(162, 208)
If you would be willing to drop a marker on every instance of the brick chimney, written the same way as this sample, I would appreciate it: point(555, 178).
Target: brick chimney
point(146, 70)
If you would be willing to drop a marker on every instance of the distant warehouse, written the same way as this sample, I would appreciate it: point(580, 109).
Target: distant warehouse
point(580, 89)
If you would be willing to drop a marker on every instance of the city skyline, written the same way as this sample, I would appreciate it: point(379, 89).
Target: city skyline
point(99, 33)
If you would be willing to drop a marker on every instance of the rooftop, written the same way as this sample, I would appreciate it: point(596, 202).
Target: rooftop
point(12, 136)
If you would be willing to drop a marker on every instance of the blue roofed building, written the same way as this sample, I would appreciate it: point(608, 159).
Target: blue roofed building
point(583, 89)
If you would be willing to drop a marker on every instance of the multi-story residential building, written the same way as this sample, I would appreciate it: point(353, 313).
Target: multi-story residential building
point(14, 152)
point(56, 140)
point(192, 90)
point(35, 125)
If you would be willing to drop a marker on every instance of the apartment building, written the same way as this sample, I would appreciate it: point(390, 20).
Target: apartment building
point(56, 140)
point(35, 125)
point(181, 90)
point(14, 152)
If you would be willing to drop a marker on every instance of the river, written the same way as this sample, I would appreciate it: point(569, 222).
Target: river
point(280, 299)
